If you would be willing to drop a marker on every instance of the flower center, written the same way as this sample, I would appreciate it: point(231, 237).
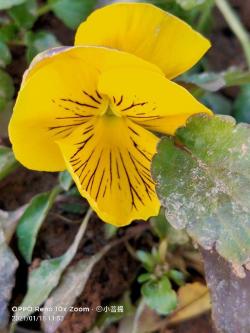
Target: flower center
point(110, 110)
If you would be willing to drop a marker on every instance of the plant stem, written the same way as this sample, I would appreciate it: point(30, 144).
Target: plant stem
point(205, 15)
point(237, 27)
point(139, 311)
point(54, 193)
point(44, 9)
point(73, 248)
point(163, 250)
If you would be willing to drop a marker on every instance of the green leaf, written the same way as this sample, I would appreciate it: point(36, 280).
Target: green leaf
point(25, 14)
point(155, 253)
point(71, 286)
point(110, 230)
point(31, 221)
point(7, 32)
point(218, 103)
point(242, 105)
point(6, 89)
point(190, 4)
point(74, 208)
point(45, 278)
point(144, 277)
point(5, 55)
point(177, 276)
point(65, 180)
point(72, 13)
point(160, 224)
point(210, 81)
point(8, 162)
point(203, 181)
point(73, 192)
point(38, 42)
point(5, 4)
point(147, 259)
point(160, 296)
point(164, 229)
point(236, 78)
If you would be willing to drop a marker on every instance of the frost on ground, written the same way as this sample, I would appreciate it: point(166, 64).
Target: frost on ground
point(203, 181)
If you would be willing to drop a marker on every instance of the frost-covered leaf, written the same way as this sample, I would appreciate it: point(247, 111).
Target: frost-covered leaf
point(71, 286)
point(159, 295)
point(8, 162)
point(230, 294)
point(45, 278)
point(193, 300)
point(32, 220)
point(203, 181)
point(8, 266)
point(9, 220)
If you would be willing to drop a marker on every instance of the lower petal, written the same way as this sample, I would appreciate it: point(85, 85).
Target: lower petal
point(109, 159)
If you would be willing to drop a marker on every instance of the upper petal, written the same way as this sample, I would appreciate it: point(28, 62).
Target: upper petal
point(146, 31)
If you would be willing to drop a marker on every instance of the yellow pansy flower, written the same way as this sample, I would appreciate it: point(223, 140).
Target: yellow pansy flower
point(94, 110)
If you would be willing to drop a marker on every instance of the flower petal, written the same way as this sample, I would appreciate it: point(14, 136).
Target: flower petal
point(111, 167)
point(146, 31)
point(57, 95)
point(149, 99)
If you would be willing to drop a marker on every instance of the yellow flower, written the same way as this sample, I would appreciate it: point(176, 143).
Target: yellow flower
point(93, 110)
